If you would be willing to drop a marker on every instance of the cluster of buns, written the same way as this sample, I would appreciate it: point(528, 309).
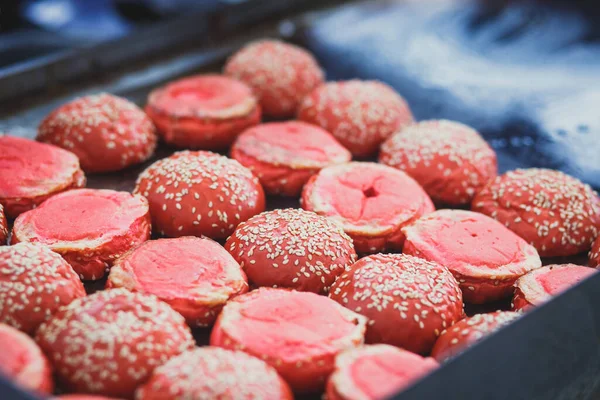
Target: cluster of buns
point(357, 293)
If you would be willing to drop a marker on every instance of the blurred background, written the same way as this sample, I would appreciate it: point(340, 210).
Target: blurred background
point(525, 73)
point(37, 28)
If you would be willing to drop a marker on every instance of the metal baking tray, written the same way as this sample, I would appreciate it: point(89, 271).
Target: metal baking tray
point(552, 353)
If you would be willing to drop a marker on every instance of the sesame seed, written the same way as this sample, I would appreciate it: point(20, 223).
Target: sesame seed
point(311, 246)
point(555, 204)
point(182, 176)
point(98, 338)
point(421, 292)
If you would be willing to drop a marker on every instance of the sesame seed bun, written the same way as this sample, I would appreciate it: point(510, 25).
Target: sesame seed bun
point(556, 213)
point(195, 276)
point(280, 74)
point(375, 372)
point(539, 286)
point(469, 331)
point(371, 201)
point(203, 111)
point(214, 373)
point(293, 249)
point(35, 283)
point(297, 333)
point(110, 342)
point(407, 300)
point(23, 362)
point(90, 228)
point(196, 193)
point(32, 172)
point(450, 160)
point(284, 155)
point(484, 256)
point(359, 114)
point(106, 132)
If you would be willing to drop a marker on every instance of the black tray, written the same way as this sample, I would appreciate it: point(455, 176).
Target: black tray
point(551, 353)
